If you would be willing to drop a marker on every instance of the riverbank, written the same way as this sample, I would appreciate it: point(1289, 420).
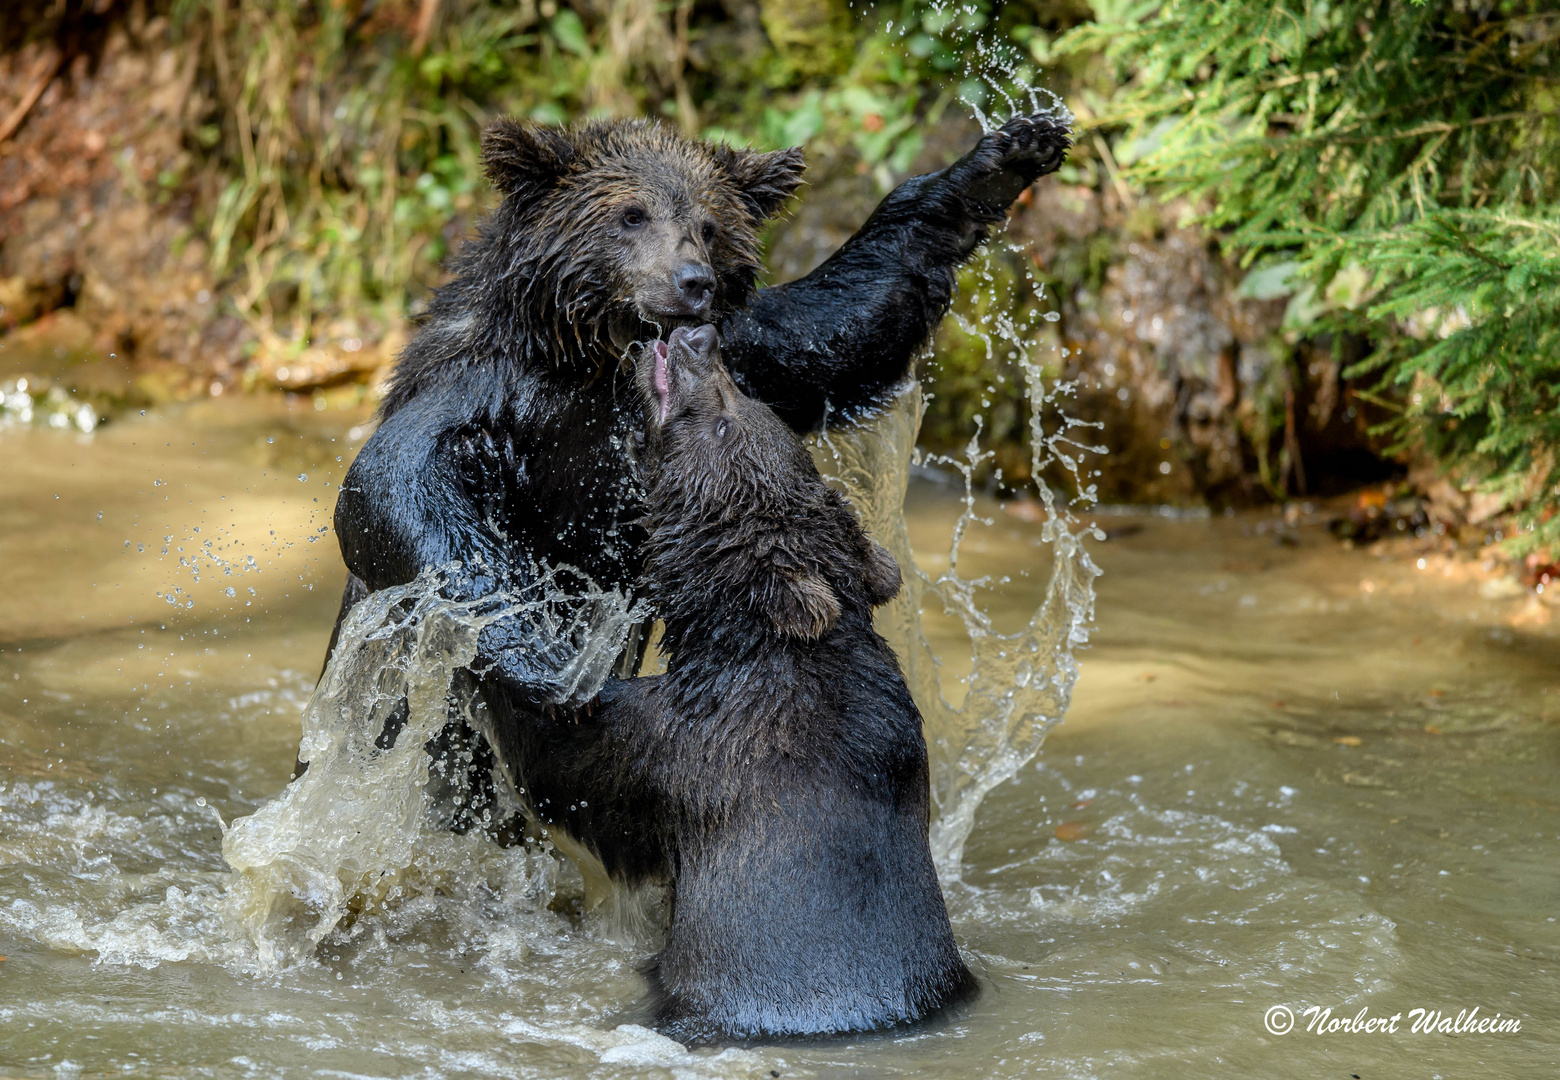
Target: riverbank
point(169, 230)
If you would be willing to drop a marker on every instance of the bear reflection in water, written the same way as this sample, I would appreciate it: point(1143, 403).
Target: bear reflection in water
point(776, 775)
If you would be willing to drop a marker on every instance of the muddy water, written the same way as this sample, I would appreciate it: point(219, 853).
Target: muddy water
point(1291, 775)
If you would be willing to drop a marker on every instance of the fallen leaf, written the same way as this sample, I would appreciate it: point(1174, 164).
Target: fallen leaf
point(1069, 831)
point(1431, 729)
point(1357, 780)
point(1025, 510)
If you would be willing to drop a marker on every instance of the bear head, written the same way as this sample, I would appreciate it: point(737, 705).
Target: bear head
point(741, 525)
point(621, 231)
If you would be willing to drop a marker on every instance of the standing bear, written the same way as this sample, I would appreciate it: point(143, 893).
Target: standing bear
point(505, 439)
point(775, 777)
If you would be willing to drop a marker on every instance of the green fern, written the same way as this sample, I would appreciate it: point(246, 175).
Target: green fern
point(1480, 380)
point(1416, 145)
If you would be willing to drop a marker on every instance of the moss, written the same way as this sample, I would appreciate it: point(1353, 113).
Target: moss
point(813, 37)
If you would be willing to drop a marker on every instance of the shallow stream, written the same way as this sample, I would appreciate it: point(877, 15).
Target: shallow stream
point(1292, 775)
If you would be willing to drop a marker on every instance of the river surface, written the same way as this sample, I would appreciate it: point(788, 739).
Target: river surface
point(1292, 775)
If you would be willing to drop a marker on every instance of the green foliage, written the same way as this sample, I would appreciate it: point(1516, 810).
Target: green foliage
point(341, 153)
point(1405, 157)
point(341, 149)
point(812, 36)
point(1481, 379)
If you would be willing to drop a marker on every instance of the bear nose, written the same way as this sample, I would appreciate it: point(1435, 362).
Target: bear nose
point(696, 284)
point(699, 341)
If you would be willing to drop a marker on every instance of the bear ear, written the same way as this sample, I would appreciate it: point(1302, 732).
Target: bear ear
point(805, 608)
point(520, 157)
point(765, 181)
point(880, 574)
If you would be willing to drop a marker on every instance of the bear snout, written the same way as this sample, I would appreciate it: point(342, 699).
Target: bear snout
point(695, 284)
point(699, 341)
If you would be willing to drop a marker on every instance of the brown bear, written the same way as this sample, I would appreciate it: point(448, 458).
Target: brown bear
point(776, 775)
point(503, 442)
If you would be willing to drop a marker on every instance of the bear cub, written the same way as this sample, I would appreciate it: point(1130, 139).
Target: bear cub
point(776, 775)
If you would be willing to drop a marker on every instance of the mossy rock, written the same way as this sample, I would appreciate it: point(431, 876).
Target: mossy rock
point(813, 36)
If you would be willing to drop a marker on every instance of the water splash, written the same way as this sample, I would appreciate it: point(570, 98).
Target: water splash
point(1020, 683)
point(360, 826)
point(991, 66)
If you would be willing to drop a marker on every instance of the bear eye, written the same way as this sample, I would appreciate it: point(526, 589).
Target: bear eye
point(721, 427)
point(634, 217)
point(709, 232)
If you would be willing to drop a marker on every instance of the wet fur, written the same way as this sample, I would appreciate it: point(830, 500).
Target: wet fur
point(537, 287)
point(507, 434)
point(776, 775)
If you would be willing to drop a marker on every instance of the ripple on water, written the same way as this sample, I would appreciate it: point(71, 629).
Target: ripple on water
point(133, 884)
point(1187, 890)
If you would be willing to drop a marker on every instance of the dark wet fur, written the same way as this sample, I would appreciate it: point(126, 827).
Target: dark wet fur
point(507, 436)
point(538, 285)
point(776, 775)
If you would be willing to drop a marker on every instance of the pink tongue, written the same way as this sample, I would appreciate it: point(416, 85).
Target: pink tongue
point(658, 379)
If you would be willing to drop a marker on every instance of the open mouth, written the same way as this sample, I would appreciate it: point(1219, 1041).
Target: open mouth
point(659, 380)
point(631, 324)
point(682, 361)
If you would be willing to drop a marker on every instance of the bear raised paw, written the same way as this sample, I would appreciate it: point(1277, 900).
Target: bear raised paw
point(776, 775)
